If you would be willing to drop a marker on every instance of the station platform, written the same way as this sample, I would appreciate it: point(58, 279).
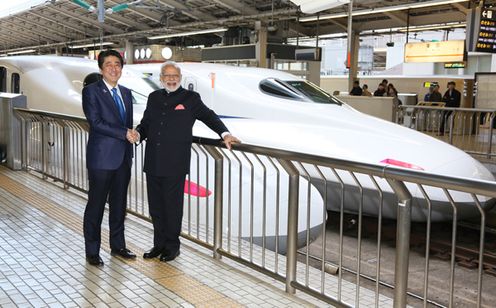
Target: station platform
point(42, 261)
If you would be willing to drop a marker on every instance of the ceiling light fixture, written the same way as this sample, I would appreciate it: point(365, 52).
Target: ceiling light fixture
point(187, 33)
point(91, 45)
point(433, 27)
point(21, 52)
point(314, 6)
point(383, 9)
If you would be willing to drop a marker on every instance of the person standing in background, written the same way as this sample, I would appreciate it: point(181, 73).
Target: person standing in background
point(365, 91)
point(435, 95)
point(452, 98)
point(356, 90)
point(427, 95)
point(381, 90)
point(391, 91)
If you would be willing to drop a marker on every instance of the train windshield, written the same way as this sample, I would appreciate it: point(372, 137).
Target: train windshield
point(276, 87)
point(139, 98)
point(300, 90)
point(310, 90)
point(140, 87)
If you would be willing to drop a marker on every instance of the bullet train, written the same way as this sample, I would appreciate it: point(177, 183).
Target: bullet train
point(279, 110)
point(309, 120)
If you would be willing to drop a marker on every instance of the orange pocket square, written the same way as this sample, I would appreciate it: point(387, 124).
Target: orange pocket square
point(179, 107)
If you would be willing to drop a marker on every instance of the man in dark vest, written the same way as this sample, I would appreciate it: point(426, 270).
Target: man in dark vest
point(452, 98)
point(167, 125)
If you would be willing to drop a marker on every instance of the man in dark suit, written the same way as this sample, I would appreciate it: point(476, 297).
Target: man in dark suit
point(167, 125)
point(356, 90)
point(452, 98)
point(435, 95)
point(109, 111)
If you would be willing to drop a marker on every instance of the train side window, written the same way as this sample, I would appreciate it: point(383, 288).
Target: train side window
point(274, 87)
point(15, 83)
point(3, 79)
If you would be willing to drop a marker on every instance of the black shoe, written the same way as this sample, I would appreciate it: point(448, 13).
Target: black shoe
point(94, 260)
point(168, 255)
point(123, 252)
point(153, 253)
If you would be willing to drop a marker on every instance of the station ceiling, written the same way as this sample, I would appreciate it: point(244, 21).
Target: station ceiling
point(63, 23)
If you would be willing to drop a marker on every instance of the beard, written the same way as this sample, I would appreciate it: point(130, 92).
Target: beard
point(171, 88)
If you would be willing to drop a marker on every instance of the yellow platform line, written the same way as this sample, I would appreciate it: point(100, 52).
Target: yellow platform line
point(173, 279)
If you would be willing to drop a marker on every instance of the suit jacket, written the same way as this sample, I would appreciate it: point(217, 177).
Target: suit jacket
point(452, 100)
point(435, 97)
point(107, 145)
point(169, 132)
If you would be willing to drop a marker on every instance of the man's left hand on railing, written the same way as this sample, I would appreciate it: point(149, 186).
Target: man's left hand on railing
point(229, 140)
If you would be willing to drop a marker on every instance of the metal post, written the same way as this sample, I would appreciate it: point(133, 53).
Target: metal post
point(218, 196)
point(44, 148)
point(101, 13)
point(452, 125)
point(350, 46)
point(402, 242)
point(24, 143)
point(491, 123)
point(65, 156)
point(293, 193)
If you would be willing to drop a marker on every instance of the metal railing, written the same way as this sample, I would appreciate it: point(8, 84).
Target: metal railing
point(286, 214)
point(469, 129)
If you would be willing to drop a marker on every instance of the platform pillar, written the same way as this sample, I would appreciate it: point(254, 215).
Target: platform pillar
point(10, 130)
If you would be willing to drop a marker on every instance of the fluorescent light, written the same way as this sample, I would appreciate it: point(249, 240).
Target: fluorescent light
point(21, 52)
point(433, 27)
point(91, 45)
point(383, 9)
point(314, 6)
point(187, 33)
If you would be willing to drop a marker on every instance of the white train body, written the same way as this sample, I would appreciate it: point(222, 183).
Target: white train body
point(279, 110)
point(307, 123)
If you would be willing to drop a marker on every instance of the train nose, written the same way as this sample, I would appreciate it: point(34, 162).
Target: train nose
point(464, 166)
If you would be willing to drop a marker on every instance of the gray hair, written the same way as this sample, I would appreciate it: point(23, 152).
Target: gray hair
point(170, 63)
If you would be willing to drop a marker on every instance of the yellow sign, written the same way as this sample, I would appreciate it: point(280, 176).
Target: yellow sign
point(447, 51)
point(454, 65)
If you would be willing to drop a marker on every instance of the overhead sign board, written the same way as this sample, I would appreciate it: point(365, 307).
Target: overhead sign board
point(486, 38)
point(446, 51)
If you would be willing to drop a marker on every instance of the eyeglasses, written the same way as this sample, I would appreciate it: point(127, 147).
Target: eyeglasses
point(169, 76)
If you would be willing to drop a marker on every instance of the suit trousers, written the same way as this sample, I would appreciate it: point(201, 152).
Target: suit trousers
point(103, 184)
point(165, 201)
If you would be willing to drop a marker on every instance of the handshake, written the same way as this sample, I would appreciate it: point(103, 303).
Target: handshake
point(132, 136)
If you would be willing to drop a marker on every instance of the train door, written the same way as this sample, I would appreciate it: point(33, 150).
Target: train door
point(15, 83)
point(3, 79)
